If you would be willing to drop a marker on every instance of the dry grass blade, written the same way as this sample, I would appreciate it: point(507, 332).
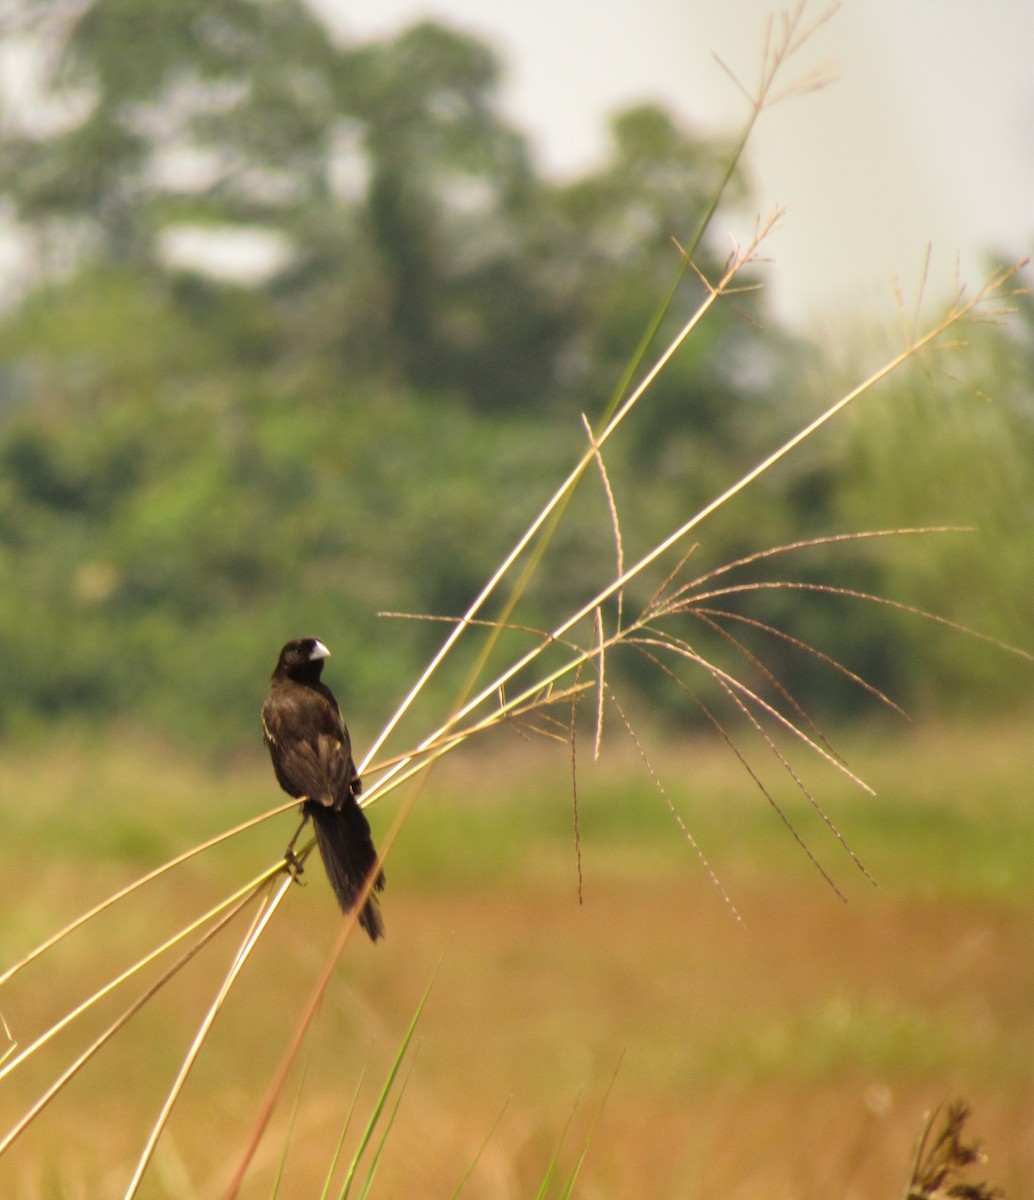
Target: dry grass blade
point(116, 1026)
point(758, 102)
point(736, 265)
point(12, 1045)
point(683, 827)
point(415, 765)
point(295, 1043)
point(715, 615)
point(745, 762)
point(312, 1008)
point(234, 901)
point(679, 601)
point(137, 884)
point(737, 689)
point(574, 793)
point(534, 699)
point(619, 548)
point(959, 311)
point(829, 589)
point(832, 539)
point(261, 920)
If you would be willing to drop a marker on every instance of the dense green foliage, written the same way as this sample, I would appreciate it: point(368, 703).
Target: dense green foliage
point(193, 469)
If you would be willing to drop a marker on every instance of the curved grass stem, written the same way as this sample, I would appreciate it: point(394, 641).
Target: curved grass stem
point(261, 920)
point(137, 884)
point(959, 311)
point(116, 1026)
point(234, 901)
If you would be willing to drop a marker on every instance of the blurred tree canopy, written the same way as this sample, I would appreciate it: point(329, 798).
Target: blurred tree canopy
point(201, 457)
point(414, 239)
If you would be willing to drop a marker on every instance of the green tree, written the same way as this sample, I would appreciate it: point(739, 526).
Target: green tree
point(417, 239)
point(192, 470)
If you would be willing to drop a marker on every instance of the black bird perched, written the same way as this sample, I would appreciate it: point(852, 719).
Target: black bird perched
point(312, 757)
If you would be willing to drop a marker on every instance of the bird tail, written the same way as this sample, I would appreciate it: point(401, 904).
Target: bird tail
point(349, 855)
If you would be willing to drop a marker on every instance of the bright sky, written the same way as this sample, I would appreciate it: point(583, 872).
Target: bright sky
point(926, 136)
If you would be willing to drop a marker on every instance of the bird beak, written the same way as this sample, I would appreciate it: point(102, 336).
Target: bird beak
point(319, 651)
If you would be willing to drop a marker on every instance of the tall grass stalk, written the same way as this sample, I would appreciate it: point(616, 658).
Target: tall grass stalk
point(558, 685)
point(563, 664)
point(116, 1027)
point(958, 312)
point(777, 51)
point(258, 925)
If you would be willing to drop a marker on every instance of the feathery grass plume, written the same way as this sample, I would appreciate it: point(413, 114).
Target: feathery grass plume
point(651, 633)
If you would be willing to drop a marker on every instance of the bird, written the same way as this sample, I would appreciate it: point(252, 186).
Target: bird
point(312, 758)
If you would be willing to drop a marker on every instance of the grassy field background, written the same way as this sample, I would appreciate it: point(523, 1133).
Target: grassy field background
point(788, 1054)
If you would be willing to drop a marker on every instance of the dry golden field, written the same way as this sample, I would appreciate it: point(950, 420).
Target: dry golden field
point(790, 1053)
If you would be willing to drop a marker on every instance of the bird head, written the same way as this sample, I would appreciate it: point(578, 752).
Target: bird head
point(302, 658)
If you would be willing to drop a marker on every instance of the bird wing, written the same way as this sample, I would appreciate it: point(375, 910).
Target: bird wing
point(309, 744)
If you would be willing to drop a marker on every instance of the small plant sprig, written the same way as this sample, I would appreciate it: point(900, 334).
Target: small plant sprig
point(942, 1157)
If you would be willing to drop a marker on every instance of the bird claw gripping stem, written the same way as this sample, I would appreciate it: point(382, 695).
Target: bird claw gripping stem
point(294, 866)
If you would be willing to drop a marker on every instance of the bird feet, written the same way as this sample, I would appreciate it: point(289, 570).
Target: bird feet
point(293, 865)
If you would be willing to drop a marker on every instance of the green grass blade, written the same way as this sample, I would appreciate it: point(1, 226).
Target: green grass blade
point(370, 1175)
point(383, 1097)
point(341, 1140)
point(278, 1179)
point(572, 1178)
point(477, 1157)
point(547, 1178)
